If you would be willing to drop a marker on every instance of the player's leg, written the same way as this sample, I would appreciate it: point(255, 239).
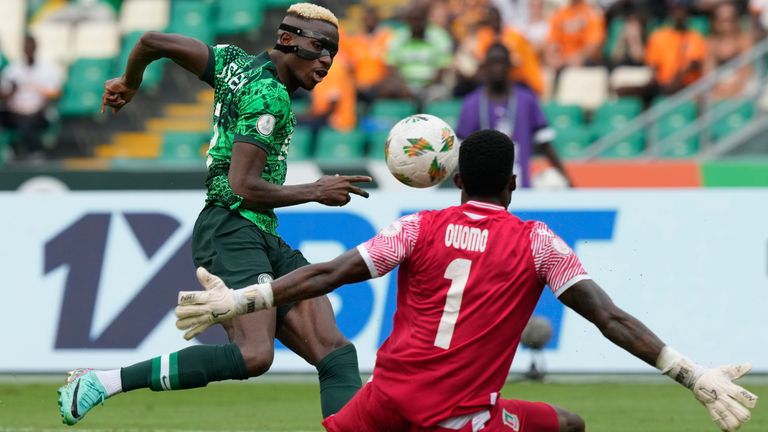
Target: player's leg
point(309, 329)
point(525, 416)
point(367, 411)
point(230, 249)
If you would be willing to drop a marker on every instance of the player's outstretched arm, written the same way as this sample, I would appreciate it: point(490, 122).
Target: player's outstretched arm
point(189, 53)
point(248, 161)
point(728, 403)
point(198, 310)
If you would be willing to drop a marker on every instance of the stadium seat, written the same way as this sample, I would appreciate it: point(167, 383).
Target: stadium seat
point(384, 113)
point(334, 147)
point(301, 141)
point(239, 16)
point(193, 18)
point(12, 27)
point(143, 15)
point(571, 142)
point(628, 147)
point(583, 86)
point(730, 116)
point(630, 76)
point(96, 39)
point(154, 72)
point(448, 110)
point(616, 113)
point(376, 143)
point(82, 92)
point(183, 146)
point(563, 116)
point(680, 149)
point(672, 121)
point(54, 41)
point(278, 4)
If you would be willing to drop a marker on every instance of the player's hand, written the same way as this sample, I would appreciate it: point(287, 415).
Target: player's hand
point(117, 94)
point(728, 403)
point(198, 310)
point(336, 190)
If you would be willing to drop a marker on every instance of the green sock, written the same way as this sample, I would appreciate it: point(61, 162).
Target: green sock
point(191, 367)
point(339, 378)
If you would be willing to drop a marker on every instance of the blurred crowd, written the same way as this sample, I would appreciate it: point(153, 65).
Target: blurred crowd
point(435, 49)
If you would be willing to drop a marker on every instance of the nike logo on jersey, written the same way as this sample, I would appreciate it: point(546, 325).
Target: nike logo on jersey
point(466, 238)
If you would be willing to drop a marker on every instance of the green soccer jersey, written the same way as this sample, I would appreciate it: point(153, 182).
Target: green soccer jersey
point(253, 106)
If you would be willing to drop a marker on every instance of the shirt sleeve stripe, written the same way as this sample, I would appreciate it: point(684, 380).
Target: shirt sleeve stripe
point(570, 283)
point(252, 140)
point(368, 261)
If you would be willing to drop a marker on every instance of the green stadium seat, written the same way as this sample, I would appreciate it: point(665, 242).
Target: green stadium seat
point(83, 90)
point(680, 149)
point(448, 110)
point(572, 142)
point(615, 28)
point(278, 4)
point(183, 146)
point(301, 143)
point(731, 116)
point(679, 117)
point(193, 18)
point(334, 147)
point(630, 146)
point(376, 143)
point(563, 117)
point(617, 113)
point(384, 113)
point(5, 145)
point(154, 72)
point(239, 16)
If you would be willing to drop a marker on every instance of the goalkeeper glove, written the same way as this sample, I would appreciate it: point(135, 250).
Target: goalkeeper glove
point(728, 403)
point(198, 310)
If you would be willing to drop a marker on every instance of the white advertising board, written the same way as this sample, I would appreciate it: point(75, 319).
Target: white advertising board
point(90, 279)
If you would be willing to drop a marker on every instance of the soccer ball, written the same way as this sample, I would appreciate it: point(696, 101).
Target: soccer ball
point(421, 150)
point(537, 333)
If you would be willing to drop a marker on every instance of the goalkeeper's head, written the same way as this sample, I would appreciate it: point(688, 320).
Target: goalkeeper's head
point(486, 159)
point(307, 41)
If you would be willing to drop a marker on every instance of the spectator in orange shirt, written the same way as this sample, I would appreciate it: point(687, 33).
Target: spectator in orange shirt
point(367, 53)
point(525, 64)
point(576, 35)
point(334, 101)
point(675, 53)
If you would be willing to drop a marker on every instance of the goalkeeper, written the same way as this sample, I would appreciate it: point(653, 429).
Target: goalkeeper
point(461, 312)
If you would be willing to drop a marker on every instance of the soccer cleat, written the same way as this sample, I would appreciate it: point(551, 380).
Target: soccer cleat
point(82, 392)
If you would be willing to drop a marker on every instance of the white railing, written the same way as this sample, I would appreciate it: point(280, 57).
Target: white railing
point(700, 94)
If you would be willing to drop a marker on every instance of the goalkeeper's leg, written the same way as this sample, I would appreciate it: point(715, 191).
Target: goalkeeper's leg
point(309, 329)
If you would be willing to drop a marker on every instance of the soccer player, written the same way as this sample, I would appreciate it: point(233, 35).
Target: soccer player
point(235, 234)
point(469, 279)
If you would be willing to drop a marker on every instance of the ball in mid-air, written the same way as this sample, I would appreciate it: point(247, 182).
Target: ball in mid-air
point(421, 150)
point(537, 333)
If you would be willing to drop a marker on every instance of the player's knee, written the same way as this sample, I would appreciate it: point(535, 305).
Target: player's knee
point(570, 422)
point(258, 360)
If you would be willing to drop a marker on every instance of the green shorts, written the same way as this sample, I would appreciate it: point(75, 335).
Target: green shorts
point(233, 248)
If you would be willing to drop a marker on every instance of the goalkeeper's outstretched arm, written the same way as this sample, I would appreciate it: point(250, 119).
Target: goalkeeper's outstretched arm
point(728, 404)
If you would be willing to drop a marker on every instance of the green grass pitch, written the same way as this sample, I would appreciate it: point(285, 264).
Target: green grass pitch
point(291, 406)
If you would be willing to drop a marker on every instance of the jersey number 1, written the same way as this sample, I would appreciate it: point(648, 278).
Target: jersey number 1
point(458, 273)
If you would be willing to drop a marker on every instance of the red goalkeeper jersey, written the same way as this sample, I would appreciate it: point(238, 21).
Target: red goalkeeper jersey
point(469, 279)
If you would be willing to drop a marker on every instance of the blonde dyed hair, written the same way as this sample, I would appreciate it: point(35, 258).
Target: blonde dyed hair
point(311, 11)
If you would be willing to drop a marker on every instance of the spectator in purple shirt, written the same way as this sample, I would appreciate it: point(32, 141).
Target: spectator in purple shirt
point(510, 108)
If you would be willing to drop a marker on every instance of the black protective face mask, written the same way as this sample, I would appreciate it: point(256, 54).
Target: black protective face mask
point(330, 47)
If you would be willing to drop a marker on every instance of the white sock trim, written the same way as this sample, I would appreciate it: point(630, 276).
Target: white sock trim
point(111, 381)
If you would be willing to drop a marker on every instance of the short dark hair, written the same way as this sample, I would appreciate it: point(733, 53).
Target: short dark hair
point(498, 47)
point(486, 159)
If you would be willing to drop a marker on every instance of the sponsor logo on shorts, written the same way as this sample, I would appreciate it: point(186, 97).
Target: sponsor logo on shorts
point(510, 420)
point(265, 278)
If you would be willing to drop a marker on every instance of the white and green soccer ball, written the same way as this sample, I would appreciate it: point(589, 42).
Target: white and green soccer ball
point(421, 150)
